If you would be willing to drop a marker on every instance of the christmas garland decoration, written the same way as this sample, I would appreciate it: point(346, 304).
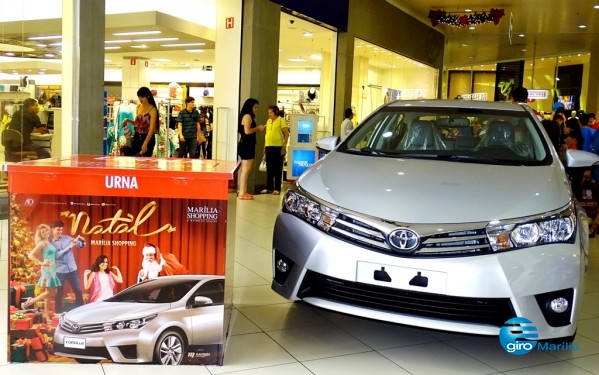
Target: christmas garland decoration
point(464, 20)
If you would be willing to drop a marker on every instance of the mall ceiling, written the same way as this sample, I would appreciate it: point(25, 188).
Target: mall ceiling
point(548, 28)
point(539, 28)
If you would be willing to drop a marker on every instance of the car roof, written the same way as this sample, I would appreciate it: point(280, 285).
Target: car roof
point(191, 277)
point(475, 104)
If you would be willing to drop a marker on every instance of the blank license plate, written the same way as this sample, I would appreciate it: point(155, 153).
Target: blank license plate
point(402, 277)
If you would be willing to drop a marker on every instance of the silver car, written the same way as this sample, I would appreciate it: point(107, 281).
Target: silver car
point(450, 215)
point(166, 320)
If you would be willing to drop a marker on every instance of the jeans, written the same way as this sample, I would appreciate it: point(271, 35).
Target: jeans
point(189, 146)
point(73, 279)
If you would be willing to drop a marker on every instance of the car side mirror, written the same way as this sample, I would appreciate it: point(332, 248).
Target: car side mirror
point(202, 301)
point(327, 144)
point(581, 159)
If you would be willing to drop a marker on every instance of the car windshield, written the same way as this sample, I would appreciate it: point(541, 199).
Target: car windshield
point(155, 291)
point(454, 134)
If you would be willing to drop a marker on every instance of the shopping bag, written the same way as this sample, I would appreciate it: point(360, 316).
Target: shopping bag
point(262, 166)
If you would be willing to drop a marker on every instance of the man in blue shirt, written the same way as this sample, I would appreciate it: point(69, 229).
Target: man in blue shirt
point(188, 127)
point(66, 268)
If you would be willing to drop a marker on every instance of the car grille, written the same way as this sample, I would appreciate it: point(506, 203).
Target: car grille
point(89, 351)
point(82, 328)
point(492, 311)
point(455, 243)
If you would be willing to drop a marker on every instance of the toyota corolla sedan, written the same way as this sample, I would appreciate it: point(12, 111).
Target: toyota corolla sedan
point(166, 320)
point(449, 215)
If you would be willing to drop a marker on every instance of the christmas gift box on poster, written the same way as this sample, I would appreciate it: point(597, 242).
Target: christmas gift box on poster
point(20, 321)
point(19, 292)
point(38, 350)
point(18, 353)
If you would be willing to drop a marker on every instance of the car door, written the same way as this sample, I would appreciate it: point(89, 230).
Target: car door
point(207, 320)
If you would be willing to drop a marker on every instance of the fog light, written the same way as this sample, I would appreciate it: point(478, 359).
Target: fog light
point(559, 305)
point(282, 266)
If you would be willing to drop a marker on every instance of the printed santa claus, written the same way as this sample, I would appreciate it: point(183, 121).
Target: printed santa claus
point(152, 264)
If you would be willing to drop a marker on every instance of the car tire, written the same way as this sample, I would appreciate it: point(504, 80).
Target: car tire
point(87, 361)
point(170, 348)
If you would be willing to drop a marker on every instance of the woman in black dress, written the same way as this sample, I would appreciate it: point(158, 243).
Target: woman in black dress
point(246, 148)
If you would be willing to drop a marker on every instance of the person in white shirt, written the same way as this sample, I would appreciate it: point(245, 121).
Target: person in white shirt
point(347, 125)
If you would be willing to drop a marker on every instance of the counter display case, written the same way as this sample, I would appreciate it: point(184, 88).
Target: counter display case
point(120, 259)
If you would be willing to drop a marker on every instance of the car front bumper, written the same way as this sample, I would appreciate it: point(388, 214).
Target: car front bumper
point(470, 294)
point(124, 346)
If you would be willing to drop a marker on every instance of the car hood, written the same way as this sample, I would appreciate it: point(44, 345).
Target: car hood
point(110, 311)
point(433, 191)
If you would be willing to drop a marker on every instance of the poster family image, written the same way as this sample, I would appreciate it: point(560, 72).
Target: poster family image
point(127, 280)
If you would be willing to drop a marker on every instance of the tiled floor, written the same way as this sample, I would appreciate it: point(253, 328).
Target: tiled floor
point(272, 336)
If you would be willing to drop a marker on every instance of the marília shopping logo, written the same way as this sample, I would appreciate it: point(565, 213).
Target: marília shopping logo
point(518, 336)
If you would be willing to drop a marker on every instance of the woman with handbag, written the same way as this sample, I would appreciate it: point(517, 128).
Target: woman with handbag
point(246, 148)
point(275, 147)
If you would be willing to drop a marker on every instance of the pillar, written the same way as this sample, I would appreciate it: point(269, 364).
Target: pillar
point(259, 68)
point(592, 102)
point(82, 79)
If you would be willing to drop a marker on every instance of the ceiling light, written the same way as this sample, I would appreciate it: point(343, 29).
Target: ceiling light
point(582, 26)
point(44, 37)
point(143, 32)
point(9, 53)
point(464, 45)
point(307, 34)
point(467, 10)
point(162, 60)
point(316, 57)
point(194, 50)
point(596, 7)
point(140, 46)
point(182, 44)
point(296, 59)
point(41, 45)
point(49, 54)
point(55, 44)
point(523, 49)
point(107, 60)
point(472, 28)
point(521, 35)
point(112, 47)
point(154, 40)
point(117, 41)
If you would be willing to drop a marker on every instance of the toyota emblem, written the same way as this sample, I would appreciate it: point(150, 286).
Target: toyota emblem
point(404, 239)
point(75, 328)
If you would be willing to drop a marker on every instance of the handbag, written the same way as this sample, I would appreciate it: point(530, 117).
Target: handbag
point(262, 166)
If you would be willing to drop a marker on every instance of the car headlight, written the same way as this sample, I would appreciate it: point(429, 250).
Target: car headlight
point(556, 227)
point(316, 213)
point(136, 323)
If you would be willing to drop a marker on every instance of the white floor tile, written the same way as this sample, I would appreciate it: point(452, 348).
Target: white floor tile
point(590, 363)
point(489, 351)
point(355, 364)
point(561, 368)
point(256, 296)
point(589, 328)
point(52, 368)
point(380, 335)
point(251, 351)
point(282, 316)
point(585, 347)
point(436, 358)
point(117, 369)
point(316, 342)
point(245, 277)
point(241, 325)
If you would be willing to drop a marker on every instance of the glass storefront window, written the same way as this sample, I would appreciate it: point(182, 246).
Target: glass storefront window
point(381, 75)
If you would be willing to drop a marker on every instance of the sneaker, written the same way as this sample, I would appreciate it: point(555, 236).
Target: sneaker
point(264, 191)
point(276, 192)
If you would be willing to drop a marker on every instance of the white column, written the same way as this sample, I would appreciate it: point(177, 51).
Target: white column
point(227, 62)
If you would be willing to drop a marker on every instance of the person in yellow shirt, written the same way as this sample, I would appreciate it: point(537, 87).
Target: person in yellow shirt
point(275, 146)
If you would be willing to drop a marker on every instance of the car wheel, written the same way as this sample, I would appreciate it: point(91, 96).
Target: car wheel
point(169, 349)
point(87, 361)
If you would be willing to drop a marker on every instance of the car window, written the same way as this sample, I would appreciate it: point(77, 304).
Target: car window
point(452, 133)
point(213, 289)
point(155, 291)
